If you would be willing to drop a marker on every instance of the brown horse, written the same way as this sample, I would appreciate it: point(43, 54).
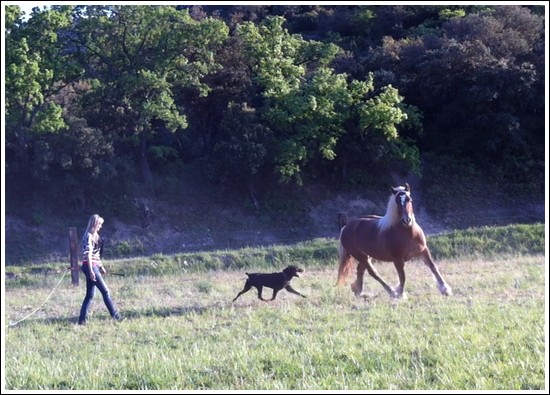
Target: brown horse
point(395, 237)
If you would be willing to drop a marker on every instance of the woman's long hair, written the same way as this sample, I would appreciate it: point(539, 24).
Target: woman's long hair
point(93, 223)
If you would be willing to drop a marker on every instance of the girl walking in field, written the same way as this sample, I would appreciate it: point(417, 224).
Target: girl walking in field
point(93, 270)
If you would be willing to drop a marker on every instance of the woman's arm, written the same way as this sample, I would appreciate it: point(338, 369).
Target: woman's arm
point(90, 250)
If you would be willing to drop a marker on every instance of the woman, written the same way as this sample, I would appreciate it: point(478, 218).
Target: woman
point(93, 269)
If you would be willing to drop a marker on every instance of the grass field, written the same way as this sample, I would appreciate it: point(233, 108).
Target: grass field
point(182, 332)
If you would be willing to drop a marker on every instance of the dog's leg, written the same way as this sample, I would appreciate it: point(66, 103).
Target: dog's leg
point(260, 288)
point(275, 291)
point(246, 289)
point(292, 290)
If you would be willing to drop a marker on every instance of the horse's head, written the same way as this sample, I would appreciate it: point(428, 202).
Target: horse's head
point(403, 201)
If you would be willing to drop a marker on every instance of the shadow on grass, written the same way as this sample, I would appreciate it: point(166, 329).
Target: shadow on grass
point(159, 312)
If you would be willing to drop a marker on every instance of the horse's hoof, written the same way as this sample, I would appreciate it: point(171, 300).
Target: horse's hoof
point(396, 295)
point(356, 290)
point(445, 290)
point(393, 293)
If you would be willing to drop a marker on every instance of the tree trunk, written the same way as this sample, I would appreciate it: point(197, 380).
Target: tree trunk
point(146, 174)
point(252, 194)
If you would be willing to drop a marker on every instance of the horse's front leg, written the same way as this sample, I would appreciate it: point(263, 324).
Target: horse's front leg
point(444, 288)
point(400, 267)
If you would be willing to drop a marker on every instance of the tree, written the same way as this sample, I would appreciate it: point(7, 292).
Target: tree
point(37, 67)
point(307, 105)
point(242, 152)
point(141, 56)
point(230, 83)
point(479, 84)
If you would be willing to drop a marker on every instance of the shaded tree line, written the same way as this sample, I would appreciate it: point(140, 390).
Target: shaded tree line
point(98, 97)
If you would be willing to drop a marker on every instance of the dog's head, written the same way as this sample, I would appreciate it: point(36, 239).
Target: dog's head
point(292, 271)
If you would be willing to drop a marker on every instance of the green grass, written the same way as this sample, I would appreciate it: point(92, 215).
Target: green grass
point(488, 240)
point(182, 332)
point(316, 253)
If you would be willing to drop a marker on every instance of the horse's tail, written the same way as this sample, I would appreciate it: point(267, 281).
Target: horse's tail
point(345, 260)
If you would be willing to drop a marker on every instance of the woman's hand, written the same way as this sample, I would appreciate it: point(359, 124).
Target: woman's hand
point(102, 270)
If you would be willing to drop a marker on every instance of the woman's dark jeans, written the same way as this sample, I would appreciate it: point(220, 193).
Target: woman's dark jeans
point(90, 293)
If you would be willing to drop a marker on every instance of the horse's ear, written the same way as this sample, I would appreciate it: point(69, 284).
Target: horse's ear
point(407, 187)
point(393, 190)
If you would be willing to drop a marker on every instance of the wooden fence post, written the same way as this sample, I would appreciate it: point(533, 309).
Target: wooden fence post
point(342, 220)
point(73, 245)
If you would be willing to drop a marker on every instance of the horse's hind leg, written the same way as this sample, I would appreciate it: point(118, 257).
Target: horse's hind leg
point(357, 286)
point(367, 264)
point(444, 288)
point(344, 267)
point(374, 274)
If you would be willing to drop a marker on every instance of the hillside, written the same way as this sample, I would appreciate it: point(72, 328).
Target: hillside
point(197, 216)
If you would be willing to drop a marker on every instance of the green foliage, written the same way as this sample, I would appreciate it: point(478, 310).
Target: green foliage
point(465, 77)
point(144, 46)
point(272, 52)
point(37, 67)
point(311, 113)
point(242, 151)
point(163, 154)
point(158, 103)
point(13, 14)
point(126, 248)
point(448, 14)
point(408, 152)
point(339, 94)
point(50, 120)
point(382, 113)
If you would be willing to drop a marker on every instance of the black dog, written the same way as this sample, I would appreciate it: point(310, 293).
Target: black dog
point(277, 281)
